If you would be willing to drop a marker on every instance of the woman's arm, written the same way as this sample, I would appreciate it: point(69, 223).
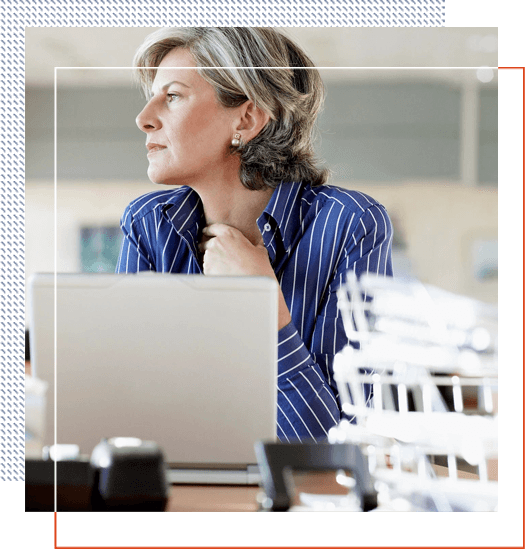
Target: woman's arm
point(308, 396)
point(135, 254)
point(306, 404)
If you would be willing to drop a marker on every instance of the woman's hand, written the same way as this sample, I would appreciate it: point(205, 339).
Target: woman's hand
point(226, 251)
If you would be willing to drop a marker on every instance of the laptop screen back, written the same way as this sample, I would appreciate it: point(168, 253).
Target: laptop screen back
point(187, 361)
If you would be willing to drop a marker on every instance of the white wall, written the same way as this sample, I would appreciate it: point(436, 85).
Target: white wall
point(440, 223)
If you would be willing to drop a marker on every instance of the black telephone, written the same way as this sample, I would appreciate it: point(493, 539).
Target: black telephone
point(123, 474)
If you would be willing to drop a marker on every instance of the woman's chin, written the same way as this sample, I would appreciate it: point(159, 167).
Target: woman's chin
point(159, 180)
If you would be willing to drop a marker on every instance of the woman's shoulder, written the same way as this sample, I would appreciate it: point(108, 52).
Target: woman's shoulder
point(347, 199)
point(147, 203)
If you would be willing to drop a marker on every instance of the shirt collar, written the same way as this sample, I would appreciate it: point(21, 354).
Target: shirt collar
point(184, 210)
point(280, 220)
point(284, 209)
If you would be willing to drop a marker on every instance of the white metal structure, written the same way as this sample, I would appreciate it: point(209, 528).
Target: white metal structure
point(419, 382)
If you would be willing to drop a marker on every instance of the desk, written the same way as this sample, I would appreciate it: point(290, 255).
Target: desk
point(213, 498)
point(244, 498)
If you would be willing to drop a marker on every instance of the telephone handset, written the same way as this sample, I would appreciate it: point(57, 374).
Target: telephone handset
point(122, 474)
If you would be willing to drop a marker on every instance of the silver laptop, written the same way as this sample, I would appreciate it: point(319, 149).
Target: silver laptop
point(187, 361)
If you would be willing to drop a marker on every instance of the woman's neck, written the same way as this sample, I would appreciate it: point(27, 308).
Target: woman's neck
point(235, 205)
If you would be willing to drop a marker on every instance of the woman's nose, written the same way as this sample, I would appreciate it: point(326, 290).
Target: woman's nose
point(146, 119)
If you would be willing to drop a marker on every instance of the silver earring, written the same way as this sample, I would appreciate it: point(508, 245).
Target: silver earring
point(236, 141)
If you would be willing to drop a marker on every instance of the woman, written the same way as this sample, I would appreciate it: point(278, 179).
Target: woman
point(252, 201)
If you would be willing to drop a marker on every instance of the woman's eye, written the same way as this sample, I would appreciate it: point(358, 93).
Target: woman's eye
point(171, 97)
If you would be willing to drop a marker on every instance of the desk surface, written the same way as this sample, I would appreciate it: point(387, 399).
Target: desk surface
point(213, 498)
point(244, 498)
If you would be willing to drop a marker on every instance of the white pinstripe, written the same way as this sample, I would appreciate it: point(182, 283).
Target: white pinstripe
point(308, 405)
point(294, 367)
point(324, 404)
point(294, 409)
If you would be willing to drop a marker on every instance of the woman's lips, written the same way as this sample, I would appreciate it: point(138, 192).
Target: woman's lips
point(155, 148)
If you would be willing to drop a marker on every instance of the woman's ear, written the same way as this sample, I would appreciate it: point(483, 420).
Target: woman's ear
point(252, 120)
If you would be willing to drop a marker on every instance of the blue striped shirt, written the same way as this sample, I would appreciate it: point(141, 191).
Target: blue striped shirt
point(313, 236)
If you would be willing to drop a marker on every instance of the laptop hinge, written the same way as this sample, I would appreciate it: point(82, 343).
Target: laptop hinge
point(249, 476)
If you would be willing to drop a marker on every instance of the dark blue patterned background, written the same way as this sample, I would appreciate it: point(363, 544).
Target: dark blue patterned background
point(86, 13)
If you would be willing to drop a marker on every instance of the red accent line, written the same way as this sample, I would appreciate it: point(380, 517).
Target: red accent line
point(55, 513)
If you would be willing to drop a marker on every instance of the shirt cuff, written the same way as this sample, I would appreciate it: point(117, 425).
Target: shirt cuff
point(292, 353)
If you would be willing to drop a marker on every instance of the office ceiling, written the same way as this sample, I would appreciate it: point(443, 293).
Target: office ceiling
point(47, 48)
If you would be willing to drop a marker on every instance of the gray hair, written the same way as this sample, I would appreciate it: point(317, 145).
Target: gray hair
point(292, 94)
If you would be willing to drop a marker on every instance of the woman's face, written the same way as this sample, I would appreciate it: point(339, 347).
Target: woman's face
point(188, 132)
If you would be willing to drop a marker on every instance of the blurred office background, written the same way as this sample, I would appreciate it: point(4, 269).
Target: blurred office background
point(421, 141)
